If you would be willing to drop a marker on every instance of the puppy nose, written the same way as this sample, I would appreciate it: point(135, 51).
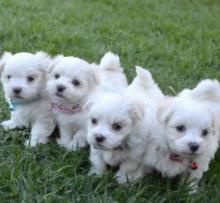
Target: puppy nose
point(17, 90)
point(99, 138)
point(60, 88)
point(193, 146)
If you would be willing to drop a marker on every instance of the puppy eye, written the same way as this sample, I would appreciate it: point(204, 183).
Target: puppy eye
point(205, 132)
point(76, 82)
point(30, 78)
point(9, 77)
point(180, 128)
point(56, 76)
point(94, 121)
point(116, 126)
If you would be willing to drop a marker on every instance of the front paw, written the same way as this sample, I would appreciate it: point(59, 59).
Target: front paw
point(34, 142)
point(94, 171)
point(193, 188)
point(121, 177)
point(8, 125)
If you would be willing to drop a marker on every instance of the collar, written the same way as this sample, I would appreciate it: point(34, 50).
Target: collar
point(174, 157)
point(13, 105)
point(67, 109)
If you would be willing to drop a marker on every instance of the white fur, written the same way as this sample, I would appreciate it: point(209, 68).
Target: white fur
point(193, 110)
point(33, 109)
point(137, 116)
point(72, 126)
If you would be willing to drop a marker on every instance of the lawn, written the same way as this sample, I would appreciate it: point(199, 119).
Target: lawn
point(178, 41)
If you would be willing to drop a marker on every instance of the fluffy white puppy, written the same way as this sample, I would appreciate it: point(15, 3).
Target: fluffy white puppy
point(119, 128)
point(72, 83)
point(189, 134)
point(23, 76)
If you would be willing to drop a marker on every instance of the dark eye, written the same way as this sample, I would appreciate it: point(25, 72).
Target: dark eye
point(30, 78)
point(180, 128)
point(56, 76)
point(9, 76)
point(205, 132)
point(76, 82)
point(94, 121)
point(116, 126)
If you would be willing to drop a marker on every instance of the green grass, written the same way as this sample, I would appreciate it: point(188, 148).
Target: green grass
point(177, 40)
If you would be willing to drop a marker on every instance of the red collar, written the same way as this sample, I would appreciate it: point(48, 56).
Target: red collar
point(174, 157)
point(68, 109)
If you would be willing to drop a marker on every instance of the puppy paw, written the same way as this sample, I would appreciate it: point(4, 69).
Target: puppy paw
point(193, 188)
point(121, 177)
point(95, 172)
point(35, 142)
point(8, 125)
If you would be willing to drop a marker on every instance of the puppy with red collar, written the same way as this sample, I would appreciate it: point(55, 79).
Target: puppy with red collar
point(189, 133)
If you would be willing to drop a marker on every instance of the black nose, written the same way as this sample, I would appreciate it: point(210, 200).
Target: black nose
point(99, 138)
point(60, 88)
point(17, 90)
point(193, 146)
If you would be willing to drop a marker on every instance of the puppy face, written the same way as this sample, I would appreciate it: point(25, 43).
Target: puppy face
point(111, 120)
point(188, 127)
point(71, 79)
point(23, 75)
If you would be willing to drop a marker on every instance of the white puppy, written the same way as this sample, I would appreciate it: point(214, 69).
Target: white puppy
point(23, 76)
point(72, 83)
point(119, 128)
point(189, 134)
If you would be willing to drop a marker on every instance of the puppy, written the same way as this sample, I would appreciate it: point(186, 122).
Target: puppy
point(23, 76)
point(72, 83)
point(119, 128)
point(189, 134)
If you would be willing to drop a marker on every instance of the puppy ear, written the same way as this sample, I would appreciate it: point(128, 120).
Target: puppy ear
point(136, 108)
point(44, 60)
point(165, 111)
point(93, 76)
point(54, 62)
point(207, 90)
point(5, 57)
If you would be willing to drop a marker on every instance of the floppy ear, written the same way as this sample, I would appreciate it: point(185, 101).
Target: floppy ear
point(93, 76)
point(5, 57)
point(165, 111)
point(54, 62)
point(136, 108)
point(44, 60)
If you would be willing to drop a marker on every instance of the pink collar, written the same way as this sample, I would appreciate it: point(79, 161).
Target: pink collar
point(174, 157)
point(68, 109)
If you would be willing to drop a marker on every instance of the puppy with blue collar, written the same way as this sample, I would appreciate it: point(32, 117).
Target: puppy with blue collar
point(23, 76)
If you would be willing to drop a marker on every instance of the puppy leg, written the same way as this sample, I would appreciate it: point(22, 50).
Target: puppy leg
point(66, 134)
point(129, 171)
point(78, 141)
point(193, 180)
point(14, 122)
point(98, 165)
point(40, 132)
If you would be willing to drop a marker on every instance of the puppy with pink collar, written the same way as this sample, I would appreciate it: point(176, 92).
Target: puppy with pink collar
point(72, 83)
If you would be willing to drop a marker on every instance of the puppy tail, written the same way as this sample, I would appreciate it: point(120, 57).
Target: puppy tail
point(143, 78)
point(208, 90)
point(111, 62)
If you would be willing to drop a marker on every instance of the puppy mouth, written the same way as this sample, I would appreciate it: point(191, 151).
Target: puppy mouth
point(59, 95)
point(17, 97)
point(100, 147)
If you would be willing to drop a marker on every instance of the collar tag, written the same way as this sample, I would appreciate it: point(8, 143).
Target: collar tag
point(194, 166)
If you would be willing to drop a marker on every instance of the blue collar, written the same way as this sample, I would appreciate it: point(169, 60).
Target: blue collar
point(13, 105)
